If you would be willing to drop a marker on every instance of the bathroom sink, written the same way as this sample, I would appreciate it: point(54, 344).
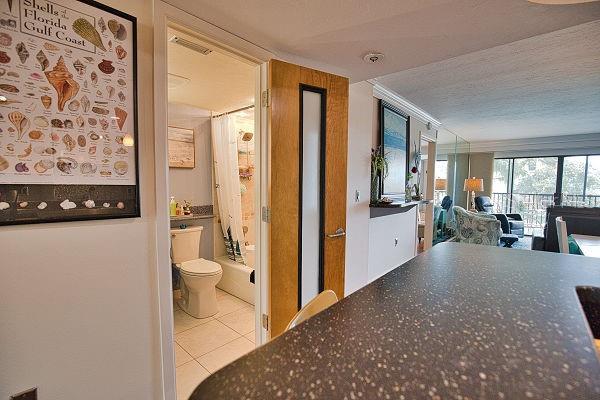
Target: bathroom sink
point(589, 297)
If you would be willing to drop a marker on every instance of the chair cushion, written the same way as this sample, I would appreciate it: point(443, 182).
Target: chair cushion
point(573, 246)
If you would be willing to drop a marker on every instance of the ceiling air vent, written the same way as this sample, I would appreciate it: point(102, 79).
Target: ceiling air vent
point(190, 45)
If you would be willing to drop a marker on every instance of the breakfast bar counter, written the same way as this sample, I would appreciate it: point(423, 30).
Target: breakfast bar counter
point(457, 322)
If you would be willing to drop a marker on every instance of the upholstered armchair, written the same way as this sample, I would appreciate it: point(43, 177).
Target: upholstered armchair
point(510, 223)
point(476, 228)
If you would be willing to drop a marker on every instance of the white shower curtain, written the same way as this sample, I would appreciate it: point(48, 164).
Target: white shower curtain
point(227, 178)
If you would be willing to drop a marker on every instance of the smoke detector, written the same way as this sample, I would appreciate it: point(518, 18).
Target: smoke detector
point(373, 58)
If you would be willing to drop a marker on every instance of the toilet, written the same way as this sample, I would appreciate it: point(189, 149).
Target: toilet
point(198, 277)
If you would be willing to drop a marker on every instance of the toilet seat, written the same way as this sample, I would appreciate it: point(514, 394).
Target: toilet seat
point(200, 267)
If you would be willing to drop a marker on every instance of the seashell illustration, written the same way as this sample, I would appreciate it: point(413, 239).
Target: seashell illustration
point(86, 30)
point(121, 52)
point(121, 167)
point(121, 82)
point(50, 150)
point(2, 71)
point(106, 67)
point(104, 124)
point(40, 121)
point(5, 39)
point(22, 52)
point(4, 58)
point(110, 91)
point(9, 88)
point(121, 33)
point(4, 205)
point(120, 205)
point(106, 137)
point(81, 141)
point(121, 151)
point(92, 121)
point(110, 44)
point(88, 168)
point(20, 122)
point(67, 204)
point(42, 205)
point(119, 139)
point(89, 203)
point(98, 93)
point(85, 83)
point(68, 124)
point(43, 166)
point(69, 142)
point(42, 59)
point(13, 74)
point(79, 67)
point(55, 137)
point(66, 164)
point(36, 135)
point(26, 152)
point(107, 151)
point(21, 167)
point(94, 136)
point(92, 150)
point(57, 123)
point(121, 116)
point(102, 25)
point(105, 205)
point(94, 77)
point(85, 103)
point(100, 110)
point(46, 101)
point(50, 47)
point(62, 81)
point(10, 147)
point(74, 105)
point(105, 172)
point(3, 163)
point(80, 121)
point(113, 26)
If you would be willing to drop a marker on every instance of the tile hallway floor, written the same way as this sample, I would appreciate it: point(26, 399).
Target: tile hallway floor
point(202, 346)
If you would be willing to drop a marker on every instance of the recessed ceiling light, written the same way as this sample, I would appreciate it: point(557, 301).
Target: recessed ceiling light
point(373, 58)
point(560, 2)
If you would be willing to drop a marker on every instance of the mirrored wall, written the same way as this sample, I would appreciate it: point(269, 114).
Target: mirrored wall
point(451, 170)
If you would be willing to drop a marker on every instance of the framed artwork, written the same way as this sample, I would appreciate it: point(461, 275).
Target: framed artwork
point(394, 128)
point(68, 112)
point(182, 153)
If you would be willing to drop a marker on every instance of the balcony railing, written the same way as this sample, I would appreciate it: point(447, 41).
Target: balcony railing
point(532, 206)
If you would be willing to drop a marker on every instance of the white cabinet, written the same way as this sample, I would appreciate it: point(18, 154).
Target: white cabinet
point(392, 241)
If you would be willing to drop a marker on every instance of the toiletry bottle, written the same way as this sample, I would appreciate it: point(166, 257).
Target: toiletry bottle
point(172, 207)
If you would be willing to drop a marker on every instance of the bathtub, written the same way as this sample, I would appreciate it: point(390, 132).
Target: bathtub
point(236, 277)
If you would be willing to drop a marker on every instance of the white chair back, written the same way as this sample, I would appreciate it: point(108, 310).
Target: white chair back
point(561, 231)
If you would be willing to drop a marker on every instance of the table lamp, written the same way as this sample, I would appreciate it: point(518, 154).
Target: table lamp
point(473, 185)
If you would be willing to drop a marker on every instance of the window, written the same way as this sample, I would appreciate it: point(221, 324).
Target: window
point(501, 175)
point(593, 176)
point(535, 175)
point(441, 169)
point(573, 181)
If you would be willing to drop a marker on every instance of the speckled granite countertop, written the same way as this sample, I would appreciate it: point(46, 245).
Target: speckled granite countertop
point(457, 322)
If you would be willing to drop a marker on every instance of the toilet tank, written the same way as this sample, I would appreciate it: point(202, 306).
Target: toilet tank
point(185, 244)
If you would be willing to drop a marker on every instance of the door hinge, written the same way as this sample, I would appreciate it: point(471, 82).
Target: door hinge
point(265, 98)
point(266, 214)
point(265, 321)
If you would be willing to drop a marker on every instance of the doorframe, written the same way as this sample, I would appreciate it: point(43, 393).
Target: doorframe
point(165, 15)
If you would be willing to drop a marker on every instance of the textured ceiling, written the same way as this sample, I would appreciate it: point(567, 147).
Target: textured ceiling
point(335, 34)
point(542, 86)
point(216, 81)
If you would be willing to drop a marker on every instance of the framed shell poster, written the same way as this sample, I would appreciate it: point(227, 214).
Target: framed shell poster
point(182, 153)
point(68, 112)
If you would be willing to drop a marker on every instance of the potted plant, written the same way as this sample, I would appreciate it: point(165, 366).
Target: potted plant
point(379, 171)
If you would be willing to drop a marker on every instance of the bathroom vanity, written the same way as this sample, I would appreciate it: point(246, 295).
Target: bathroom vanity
point(457, 320)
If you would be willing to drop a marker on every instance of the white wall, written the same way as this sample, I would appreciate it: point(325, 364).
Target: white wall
point(360, 121)
point(78, 308)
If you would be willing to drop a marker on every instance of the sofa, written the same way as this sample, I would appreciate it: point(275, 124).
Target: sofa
point(511, 223)
point(580, 220)
point(476, 228)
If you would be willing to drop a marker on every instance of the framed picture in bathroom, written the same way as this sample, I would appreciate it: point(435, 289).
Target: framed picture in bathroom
point(182, 152)
point(68, 112)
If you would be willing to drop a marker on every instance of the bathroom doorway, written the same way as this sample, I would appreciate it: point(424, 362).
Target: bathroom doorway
point(211, 140)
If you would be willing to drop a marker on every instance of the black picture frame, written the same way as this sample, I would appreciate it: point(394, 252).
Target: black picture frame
point(397, 153)
point(124, 199)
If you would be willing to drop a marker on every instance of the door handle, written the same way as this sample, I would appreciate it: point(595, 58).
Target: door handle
point(339, 233)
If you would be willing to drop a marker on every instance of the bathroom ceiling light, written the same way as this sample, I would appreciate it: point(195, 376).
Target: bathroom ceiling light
point(560, 2)
point(190, 45)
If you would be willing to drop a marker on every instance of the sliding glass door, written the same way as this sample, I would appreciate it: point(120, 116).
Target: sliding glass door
point(581, 181)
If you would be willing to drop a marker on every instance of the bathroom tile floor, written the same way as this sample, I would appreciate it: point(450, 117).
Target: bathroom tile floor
point(202, 346)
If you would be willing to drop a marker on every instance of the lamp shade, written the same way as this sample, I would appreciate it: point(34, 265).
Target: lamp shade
point(473, 185)
point(441, 184)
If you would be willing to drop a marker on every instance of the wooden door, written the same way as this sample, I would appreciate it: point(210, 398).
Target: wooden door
point(289, 85)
